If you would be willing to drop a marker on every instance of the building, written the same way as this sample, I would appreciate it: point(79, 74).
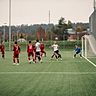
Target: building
point(92, 23)
point(73, 35)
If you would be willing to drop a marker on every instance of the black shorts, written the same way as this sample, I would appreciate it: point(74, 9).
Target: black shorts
point(77, 52)
point(37, 54)
point(57, 51)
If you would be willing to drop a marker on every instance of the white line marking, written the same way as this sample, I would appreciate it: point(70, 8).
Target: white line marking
point(62, 61)
point(90, 61)
point(70, 73)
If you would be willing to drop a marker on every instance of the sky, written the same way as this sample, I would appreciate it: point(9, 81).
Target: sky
point(37, 11)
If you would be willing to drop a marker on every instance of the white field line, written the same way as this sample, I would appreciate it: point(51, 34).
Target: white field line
point(70, 73)
point(90, 61)
point(62, 61)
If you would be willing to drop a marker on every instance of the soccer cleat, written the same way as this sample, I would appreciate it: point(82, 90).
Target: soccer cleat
point(41, 61)
point(17, 64)
point(34, 61)
point(61, 58)
point(29, 61)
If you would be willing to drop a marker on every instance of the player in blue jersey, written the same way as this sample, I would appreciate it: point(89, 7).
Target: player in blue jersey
point(77, 51)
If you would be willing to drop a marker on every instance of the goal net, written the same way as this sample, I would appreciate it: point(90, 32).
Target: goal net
point(89, 48)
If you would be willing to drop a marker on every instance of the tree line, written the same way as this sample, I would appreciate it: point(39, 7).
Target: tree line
point(52, 30)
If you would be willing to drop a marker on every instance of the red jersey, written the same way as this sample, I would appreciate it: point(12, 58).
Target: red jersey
point(29, 48)
point(42, 46)
point(2, 48)
point(16, 49)
point(34, 48)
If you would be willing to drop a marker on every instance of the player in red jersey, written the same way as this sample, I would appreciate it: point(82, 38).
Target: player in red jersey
point(2, 50)
point(34, 49)
point(16, 52)
point(42, 47)
point(31, 52)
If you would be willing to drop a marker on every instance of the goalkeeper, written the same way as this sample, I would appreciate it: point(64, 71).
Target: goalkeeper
point(77, 51)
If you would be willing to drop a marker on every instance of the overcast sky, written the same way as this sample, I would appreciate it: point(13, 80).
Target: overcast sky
point(36, 11)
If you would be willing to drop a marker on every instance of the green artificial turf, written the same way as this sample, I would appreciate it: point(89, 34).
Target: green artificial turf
point(66, 77)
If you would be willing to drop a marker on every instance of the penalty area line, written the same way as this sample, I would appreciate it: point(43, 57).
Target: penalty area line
point(70, 73)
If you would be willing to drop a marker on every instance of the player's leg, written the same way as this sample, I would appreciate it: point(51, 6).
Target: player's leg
point(14, 59)
point(59, 55)
point(33, 57)
point(41, 53)
point(3, 54)
point(36, 55)
point(80, 55)
point(17, 59)
point(39, 57)
point(29, 60)
point(44, 53)
point(75, 54)
point(53, 55)
point(56, 54)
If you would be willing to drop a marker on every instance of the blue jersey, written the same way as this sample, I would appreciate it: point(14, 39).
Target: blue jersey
point(78, 50)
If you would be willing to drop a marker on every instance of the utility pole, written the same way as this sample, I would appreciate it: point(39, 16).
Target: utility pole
point(50, 26)
point(4, 33)
point(94, 5)
point(10, 25)
point(49, 16)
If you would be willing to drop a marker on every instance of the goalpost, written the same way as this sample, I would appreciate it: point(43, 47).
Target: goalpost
point(89, 48)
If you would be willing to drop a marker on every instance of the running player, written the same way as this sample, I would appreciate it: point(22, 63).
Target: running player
point(42, 47)
point(56, 51)
point(16, 52)
point(31, 52)
point(2, 50)
point(38, 50)
point(77, 51)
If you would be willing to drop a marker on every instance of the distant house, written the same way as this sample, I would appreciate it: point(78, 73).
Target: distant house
point(73, 35)
point(21, 40)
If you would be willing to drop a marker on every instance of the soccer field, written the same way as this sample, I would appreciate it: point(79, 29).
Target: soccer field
point(69, 77)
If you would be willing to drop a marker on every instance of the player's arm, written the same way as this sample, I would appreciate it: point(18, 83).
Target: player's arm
point(58, 46)
point(4, 47)
point(27, 48)
point(13, 49)
point(19, 49)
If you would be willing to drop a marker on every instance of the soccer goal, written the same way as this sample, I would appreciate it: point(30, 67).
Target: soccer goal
point(89, 48)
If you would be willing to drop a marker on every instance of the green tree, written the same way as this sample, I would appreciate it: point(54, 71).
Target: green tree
point(69, 25)
point(61, 29)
